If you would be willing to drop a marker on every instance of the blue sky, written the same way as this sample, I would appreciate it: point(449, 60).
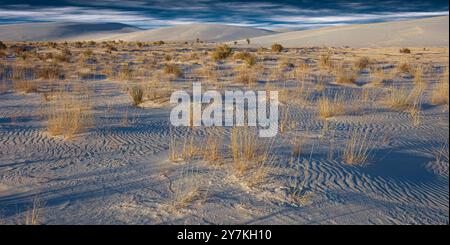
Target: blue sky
point(264, 14)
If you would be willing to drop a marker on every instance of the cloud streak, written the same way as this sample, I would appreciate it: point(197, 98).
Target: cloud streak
point(265, 14)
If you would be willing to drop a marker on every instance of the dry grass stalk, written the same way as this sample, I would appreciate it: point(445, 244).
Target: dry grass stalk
point(358, 148)
point(329, 107)
point(69, 115)
point(440, 92)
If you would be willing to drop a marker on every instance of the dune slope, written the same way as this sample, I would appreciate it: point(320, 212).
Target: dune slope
point(412, 33)
point(52, 31)
point(204, 32)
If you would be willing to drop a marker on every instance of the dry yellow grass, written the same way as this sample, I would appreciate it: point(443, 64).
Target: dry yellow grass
point(440, 92)
point(69, 115)
point(329, 107)
point(246, 75)
point(244, 149)
point(358, 148)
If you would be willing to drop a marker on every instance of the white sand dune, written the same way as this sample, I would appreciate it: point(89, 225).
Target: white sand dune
point(205, 32)
point(412, 33)
point(53, 31)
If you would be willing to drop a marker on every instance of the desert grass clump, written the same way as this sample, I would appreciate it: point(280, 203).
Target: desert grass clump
point(361, 63)
point(125, 72)
point(2, 46)
point(34, 215)
point(137, 95)
point(276, 47)
point(345, 76)
point(418, 74)
point(398, 98)
point(69, 115)
point(212, 150)
point(325, 61)
point(329, 107)
point(244, 149)
point(440, 92)
point(405, 51)
point(221, 52)
point(358, 148)
point(50, 72)
point(173, 69)
point(247, 57)
point(246, 75)
point(404, 68)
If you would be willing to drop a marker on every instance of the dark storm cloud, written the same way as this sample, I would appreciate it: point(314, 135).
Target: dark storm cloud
point(268, 14)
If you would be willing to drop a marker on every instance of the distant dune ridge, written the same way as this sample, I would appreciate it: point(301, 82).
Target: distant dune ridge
point(411, 33)
point(190, 32)
point(426, 32)
point(54, 31)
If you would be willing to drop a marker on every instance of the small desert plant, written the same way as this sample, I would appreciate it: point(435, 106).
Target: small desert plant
point(221, 52)
point(346, 76)
point(173, 69)
point(404, 67)
point(398, 98)
point(331, 107)
point(190, 187)
point(378, 76)
point(159, 43)
point(358, 148)
point(418, 75)
point(69, 115)
point(34, 215)
point(244, 149)
point(137, 95)
point(211, 152)
point(325, 61)
point(405, 50)
point(276, 48)
point(247, 57)
point(2, 45)
point(362, 63)
point(125, 72)
point(246, 75)
point(50, 72)
point(64, 56)
point(440, 92)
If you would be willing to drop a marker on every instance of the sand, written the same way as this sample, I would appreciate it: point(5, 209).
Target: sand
point(427, 32)
point(120, 173)
point(55, 31)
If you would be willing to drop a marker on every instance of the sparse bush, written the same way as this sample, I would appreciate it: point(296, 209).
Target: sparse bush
point(137, 95)
point(221, 52)
point(358, 148)
point(325, 60)
point(331, 107)
point(64, 56)
point(50, 72)
point(159, 43)
point(247, 57)
point(276, 47)
point(404, 68)
point(125, 72)
point(2, 45)
point(246, 75)
point(346, 77)
point(362, 63)
point(405, 50)
point(173, 70)
point(69, 115)
point(440, 92)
